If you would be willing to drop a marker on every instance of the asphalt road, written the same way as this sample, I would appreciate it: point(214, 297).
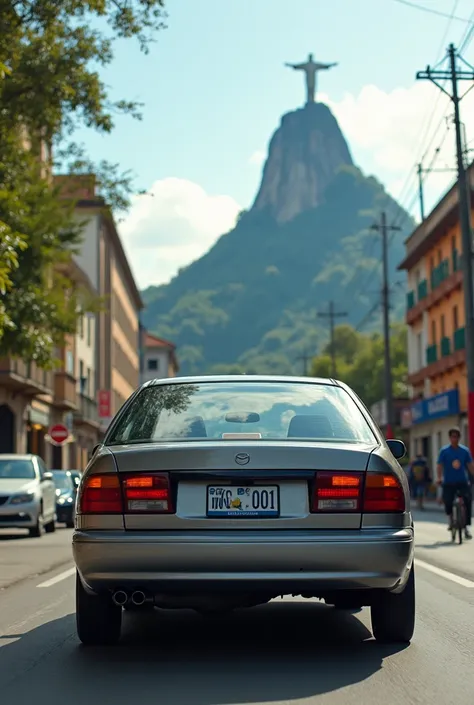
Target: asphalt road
point(291, 651)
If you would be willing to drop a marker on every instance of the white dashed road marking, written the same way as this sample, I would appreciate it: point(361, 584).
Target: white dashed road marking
point(445, 574)
point(57, 578)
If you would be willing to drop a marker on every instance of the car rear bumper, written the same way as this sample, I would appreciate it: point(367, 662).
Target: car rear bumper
point(238, 560)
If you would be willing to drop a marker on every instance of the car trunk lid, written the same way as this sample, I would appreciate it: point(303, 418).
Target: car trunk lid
point(275, 481)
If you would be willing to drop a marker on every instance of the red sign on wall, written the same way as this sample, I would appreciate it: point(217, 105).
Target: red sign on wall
point(104, 403)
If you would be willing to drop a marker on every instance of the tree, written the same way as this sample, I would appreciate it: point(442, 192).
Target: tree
point(360, 362)
point(50, 86)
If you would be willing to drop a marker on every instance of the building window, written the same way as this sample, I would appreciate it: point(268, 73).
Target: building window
point(152, 364)
point(453, 242)
point(89, 330)
point(69, 362)
point(82, 382)
point(455, 318)
point(81, 326)
point(89, 382)
point(433, 332)
point(440, 256)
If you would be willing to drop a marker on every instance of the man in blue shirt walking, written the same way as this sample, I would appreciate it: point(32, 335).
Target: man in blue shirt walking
point(454, 468)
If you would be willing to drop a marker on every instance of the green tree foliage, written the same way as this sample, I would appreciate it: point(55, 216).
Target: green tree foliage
point(253, 299)
point(360, 362)
point(51, 52)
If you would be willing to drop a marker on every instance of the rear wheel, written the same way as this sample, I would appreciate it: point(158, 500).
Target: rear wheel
point(98, 620)
point(37, 530)
point(393, 615)
point(50, 527)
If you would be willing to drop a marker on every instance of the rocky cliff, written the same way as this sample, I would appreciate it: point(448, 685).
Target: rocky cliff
point(304, 155)
point(251, 302)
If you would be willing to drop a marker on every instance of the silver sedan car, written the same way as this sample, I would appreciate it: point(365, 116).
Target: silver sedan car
point(218, 493)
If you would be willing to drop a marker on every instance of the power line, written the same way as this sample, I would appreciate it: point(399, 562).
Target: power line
point(440, 13)
point(332, 315)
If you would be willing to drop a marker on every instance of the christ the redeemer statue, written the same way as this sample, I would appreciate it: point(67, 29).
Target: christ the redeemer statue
point(311, 68)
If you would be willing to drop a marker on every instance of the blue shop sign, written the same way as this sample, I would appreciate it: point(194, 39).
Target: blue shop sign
point(445, 404)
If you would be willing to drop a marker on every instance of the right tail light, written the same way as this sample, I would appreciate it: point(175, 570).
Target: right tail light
point(370, 493)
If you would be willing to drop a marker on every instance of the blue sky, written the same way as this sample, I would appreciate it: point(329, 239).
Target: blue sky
point(214, 87)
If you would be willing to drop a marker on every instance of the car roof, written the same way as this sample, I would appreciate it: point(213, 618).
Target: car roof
point(197, 379)
point(17, 456)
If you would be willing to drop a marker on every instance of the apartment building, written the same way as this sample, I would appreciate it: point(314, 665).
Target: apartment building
point(101, 361)
point(159, 358)
point(102, 258)
point(435, 318)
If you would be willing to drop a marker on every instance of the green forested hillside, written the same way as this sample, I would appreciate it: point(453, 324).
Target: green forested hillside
point(250, 304)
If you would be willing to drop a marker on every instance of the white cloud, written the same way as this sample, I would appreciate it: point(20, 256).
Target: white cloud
point(173, 226)
point(258, 158)
point(389, 133)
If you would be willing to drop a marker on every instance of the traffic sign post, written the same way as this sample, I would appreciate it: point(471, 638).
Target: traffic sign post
point(59, 433)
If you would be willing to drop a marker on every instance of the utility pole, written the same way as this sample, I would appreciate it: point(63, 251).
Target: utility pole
point(453, 74)
point(305, 359)
point(420, 191)
point(384, 229)
point(332, 315)
point(420, 170)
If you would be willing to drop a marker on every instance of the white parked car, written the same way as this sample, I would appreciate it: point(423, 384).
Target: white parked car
point(27, 494)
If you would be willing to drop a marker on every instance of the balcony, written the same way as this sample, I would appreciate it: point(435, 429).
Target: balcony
point(431, 354)
point(422, 290)
point(445, 346)
point(410, 299)
point(25, 377)
point(86, 412)
point(459, 339)
point(65, 396)
point(439, 274)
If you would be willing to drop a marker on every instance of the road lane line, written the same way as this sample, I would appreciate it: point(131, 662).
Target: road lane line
point(445, 574)
point(57, 578)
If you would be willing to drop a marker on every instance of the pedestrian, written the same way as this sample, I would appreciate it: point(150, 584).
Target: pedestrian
point(420, 475)
point(454, 468)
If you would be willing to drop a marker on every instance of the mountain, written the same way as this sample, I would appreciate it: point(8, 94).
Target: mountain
point(251, 303)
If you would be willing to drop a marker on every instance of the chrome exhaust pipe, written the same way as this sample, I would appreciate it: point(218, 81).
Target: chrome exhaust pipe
point(120, 598)
point(138, 598)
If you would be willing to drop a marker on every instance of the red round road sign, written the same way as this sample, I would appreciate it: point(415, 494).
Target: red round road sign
point(58, 433)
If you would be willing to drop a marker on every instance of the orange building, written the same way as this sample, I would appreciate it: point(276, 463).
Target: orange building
point(435, 318)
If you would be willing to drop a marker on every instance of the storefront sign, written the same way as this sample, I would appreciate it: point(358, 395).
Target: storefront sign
point(437, 407)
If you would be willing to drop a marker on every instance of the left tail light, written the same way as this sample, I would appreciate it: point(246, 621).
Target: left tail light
point(138, 493)
point(337, 492)
point(101, 494)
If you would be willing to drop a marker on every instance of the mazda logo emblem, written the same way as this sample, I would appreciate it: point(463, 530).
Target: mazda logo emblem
point(242, 458)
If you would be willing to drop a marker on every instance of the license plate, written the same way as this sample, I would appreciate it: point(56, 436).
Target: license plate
point(243, 502)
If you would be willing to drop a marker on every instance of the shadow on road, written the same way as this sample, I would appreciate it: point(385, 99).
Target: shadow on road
point(6, 536)
point(280, 652)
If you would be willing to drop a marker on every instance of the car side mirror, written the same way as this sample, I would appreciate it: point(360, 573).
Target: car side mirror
point(47, 476)
point(397, 447)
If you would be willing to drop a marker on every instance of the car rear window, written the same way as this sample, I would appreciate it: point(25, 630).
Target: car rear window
point(233, 410)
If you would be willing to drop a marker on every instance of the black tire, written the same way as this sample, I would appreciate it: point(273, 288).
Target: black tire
point(50, 527)
point(393, 615)
point(98, 620)
point(37, 530)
